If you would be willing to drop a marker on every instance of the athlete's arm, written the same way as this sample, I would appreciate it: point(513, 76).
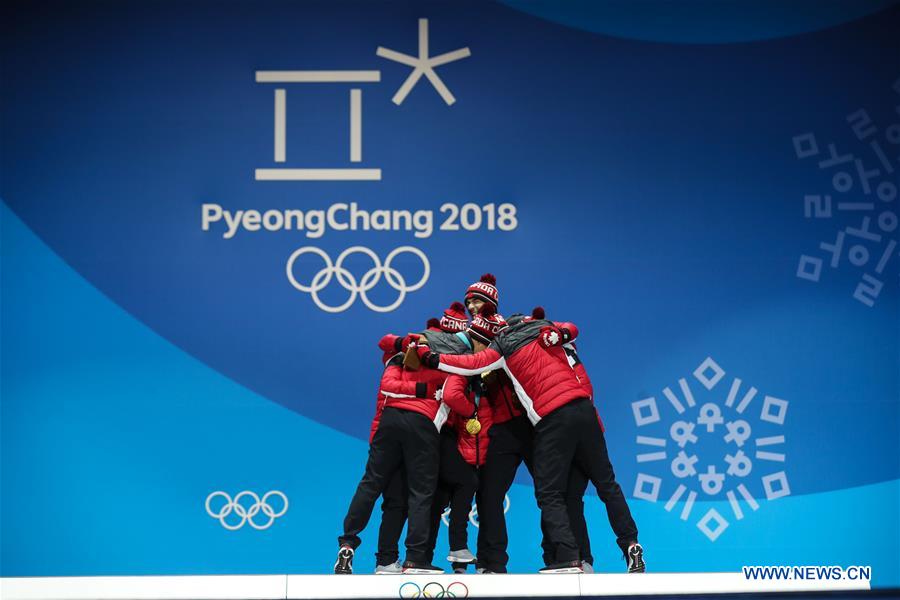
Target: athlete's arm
point(469, 364)
point(455, 395)
point(568, 330)
point(393, 385)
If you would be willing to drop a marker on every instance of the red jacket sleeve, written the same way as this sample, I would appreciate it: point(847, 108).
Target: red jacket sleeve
point(471, 364)
point(393, 384)
point(573, 330)
point(455, 395)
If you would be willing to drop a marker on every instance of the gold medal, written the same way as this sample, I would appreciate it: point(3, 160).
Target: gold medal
point(473, 426)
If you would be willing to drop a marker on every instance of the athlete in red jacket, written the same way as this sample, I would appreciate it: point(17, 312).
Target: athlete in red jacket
point(482, 292)
point(464, 445)
point(394, 498)
point(565, 422)
point(406, 433)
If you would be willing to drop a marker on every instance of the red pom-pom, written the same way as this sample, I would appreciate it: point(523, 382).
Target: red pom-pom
point(538, 313)
point(433, 323)
point(488, 278)
point(458, 307)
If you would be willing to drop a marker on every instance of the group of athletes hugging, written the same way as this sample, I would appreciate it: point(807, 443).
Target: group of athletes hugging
point(460, 406)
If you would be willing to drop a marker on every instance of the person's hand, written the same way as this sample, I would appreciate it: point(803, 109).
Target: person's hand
point(408, 341)
point(479, 386)
point(550, 336)
point(426, 356)
point(423, 351)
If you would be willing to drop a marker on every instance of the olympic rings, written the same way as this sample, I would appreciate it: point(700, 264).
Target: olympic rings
point(346, 279)
point(433, 589)
point(246, 514)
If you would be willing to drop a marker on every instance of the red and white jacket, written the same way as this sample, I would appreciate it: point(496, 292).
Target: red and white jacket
point(501, 398)
point(388, 354)
point(540, 374)
point(581, 373)
point(402, 388)
point(457, 395)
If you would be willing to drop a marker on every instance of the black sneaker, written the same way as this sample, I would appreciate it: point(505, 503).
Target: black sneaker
point(344, 563)
point(573, 566)
point(635, 558)
point(414, 568)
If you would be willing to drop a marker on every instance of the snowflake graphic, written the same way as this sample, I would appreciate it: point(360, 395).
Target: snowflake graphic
point(714, 448)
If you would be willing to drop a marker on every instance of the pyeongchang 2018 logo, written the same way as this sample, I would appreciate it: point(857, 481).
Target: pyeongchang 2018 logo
point(693, 448)
point(422, 65)
point(357, 287)
point(336, 281)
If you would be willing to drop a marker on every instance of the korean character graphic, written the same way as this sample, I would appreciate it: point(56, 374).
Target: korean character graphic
point(817, 206)
point(858, 254)
point(834, 249)
point(869, 288)
point(842, 180)
point(805, 145)
point(861, 124)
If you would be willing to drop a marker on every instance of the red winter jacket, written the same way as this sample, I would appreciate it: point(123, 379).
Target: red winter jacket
point(456, 394)
point(413, 390)
point(541, 376)
point(581, 373)
point(394, 383)
point(501, 398)
point(379, 402)
point(572, 357)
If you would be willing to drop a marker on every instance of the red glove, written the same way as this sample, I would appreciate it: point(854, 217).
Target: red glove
point(426, 356)
point(422, 350)
point(408, 341)
point(550, 336)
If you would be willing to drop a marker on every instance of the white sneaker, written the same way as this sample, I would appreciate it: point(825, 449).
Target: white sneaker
point(635, 558)
point(392, 569)
point(412, 568)
point(461, 556)
point(587, 567)
point(563, 567)
point(344, 563)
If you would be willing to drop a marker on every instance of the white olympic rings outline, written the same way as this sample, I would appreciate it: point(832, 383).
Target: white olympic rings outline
point(430, 590)
point(246, 514)
point(348, 281)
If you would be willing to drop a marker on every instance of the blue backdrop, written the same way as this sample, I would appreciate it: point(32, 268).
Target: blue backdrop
point(710, 195)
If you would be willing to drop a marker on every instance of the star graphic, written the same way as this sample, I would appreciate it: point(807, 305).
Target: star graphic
point(423, 65)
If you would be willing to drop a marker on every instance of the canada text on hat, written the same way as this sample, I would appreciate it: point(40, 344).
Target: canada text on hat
point(485, 289)
point(486, 325)
point(454, 318)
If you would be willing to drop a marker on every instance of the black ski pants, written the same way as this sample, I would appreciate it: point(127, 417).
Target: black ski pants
point(570, 434)
point(411, 439)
